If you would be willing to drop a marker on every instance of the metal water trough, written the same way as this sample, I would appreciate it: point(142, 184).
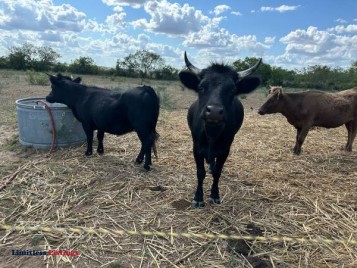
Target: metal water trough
point(35, 127)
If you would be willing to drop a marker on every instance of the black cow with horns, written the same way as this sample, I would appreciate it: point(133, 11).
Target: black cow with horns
point(215, 117)
point(101, 109)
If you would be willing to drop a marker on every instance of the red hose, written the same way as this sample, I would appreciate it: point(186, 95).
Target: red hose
point(52, 123)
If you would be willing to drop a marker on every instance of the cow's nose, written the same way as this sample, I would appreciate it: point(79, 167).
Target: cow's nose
point(214, 113)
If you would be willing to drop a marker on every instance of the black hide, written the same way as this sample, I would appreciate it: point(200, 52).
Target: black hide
point(100, 109)
point(214, 119)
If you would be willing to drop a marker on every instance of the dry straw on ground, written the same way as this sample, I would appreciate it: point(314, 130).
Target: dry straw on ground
point(265, 190)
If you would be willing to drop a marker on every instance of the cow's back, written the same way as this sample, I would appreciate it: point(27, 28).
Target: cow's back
point(139, 99)
point(323, 109)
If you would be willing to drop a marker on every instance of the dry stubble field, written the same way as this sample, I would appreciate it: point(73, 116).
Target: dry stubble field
point(265, 190)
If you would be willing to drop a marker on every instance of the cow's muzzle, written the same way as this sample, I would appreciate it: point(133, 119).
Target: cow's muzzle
point(50, 99)
point(214, 114)
point(261, 112)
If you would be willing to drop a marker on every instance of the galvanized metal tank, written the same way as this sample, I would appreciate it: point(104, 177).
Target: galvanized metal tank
point(35, 128)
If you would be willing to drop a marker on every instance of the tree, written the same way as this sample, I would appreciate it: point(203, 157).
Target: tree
point(29, 56)
point(351, 75)
point(83, 65)
point(167, 73)
point(47, 58)
point(21, 58)
point(142, 63)
point(282, 77)
point(4, 62)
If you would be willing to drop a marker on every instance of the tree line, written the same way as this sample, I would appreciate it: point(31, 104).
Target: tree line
point(146, 64)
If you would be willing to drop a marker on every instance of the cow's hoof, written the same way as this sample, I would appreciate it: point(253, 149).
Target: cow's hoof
point(100, 151)
point(348, 149)
point(197, 204)
point(145, 168)
point(88, 153)
point(138, 161)
point(297, 152)
point(214, 201)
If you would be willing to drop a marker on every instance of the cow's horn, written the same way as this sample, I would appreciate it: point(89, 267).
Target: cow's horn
point(249, 71)
point(190, 66)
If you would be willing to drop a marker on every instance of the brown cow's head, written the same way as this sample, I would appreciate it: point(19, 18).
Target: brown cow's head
point(273, 104)
point(273, 90)
point(217, 86)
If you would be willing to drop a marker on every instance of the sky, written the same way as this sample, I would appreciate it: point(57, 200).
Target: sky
point(290, 34)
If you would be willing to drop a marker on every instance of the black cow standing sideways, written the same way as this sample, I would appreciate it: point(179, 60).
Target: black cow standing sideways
point(103, 110)
point(215, 117)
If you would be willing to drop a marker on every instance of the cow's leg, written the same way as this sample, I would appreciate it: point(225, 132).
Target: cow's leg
point(139, 159)
point(89, 133)
point(352, 131)
point(148, 162)
point(145, 150)
point(211, 166)
point(300, 138)
point(100, 137)
point(197, 201)
point(216, 173)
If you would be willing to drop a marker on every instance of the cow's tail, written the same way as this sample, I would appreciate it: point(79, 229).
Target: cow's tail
point(155, 136)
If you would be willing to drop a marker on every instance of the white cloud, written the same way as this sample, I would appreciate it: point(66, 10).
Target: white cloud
point(132, 3)
point(220, 9)
point(51, 36)
point(236, 13)
point(281, 9)
point(352, 28)
point(269, 40)
point(339, 20)
point(307, 42)
point(171, 18)
point(213, 38)
point(313, 46)
point(116, 21)
point(40, 15)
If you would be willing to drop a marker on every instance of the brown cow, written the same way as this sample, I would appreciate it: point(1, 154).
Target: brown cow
point(315, 108)
point(274, 89)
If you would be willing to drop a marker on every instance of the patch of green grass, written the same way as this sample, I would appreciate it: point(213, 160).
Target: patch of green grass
point(116, 264)
point(39, 79)
point(166, 98)
point(36, 240)
point(12, 144)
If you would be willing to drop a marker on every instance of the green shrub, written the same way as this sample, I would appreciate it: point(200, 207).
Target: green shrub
point(35, 78)
point(166, 98)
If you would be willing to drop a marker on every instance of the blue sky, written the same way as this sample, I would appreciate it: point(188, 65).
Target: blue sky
point(290, 34)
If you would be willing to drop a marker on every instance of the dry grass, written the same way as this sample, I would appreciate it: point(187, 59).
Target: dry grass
point(263, 186)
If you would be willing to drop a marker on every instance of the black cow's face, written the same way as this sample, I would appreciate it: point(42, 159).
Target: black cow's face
point(215, 96)
point(217, 86)
point(272, 105)
point(57, 82)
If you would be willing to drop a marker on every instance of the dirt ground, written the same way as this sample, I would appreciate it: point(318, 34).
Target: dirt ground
point(265, 191)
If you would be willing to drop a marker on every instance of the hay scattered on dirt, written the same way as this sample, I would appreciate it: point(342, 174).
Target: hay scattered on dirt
point(265, 190)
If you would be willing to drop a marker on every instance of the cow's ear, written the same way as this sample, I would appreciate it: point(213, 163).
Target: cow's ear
point(54, 79)
point(189, 80)
point(77, 80)
point(247, 85)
